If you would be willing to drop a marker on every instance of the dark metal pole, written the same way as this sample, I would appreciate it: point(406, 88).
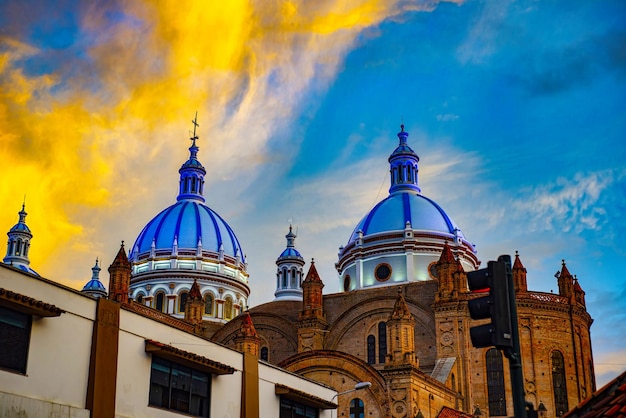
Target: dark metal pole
point(514, 353)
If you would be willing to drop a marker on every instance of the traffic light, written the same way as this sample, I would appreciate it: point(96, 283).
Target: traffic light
point(495, 306)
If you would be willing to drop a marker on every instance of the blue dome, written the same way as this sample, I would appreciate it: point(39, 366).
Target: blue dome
point(290, 252)
point(392, 214)
point(94, 285)
point(188, 221)
point(20, 227)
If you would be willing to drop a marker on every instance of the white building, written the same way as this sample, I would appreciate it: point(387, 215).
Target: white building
point(67, 354)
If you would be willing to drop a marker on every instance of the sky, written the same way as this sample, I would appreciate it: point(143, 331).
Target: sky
point(516, 109)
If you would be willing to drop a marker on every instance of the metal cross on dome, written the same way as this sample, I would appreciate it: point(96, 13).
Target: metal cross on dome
point(195, 125)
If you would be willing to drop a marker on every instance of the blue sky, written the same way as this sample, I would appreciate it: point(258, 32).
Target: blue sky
point(516, 109)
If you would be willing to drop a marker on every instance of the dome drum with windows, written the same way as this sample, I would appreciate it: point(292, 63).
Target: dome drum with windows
point(402, 237)
point(188, 241)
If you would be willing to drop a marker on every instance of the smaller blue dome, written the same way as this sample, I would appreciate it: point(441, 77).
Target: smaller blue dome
point(290, 252)
point(27, 269)
point(20, 227)
point(94, 285)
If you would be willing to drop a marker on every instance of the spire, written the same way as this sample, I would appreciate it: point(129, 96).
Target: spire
point(519, 275)
point(446, 268)
point(19, 244)
point(401, 332)
point(312, 324)
point(194, 292)
point(579, 293)
point(312, 276)
point(403, 166)
point(94, 287)
point(247, 339)
point(119, 276)
point(446, 254)
point(565, 281)
point(192, 172)
point(312, 298)
point(400, 308)
point(194, 308)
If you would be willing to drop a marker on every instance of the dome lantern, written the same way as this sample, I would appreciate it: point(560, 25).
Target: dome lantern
point(191, 185)
point(403, 166)
point(19, 244)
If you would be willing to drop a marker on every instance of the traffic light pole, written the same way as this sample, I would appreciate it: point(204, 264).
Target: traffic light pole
point(514, 353)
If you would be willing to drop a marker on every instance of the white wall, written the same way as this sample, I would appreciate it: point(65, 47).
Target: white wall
point(60, 350)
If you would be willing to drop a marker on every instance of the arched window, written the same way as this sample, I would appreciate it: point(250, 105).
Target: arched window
point(284, 286)
point(228, 308)
point(357, 408)
point(453, 382)
point(293, 278)
point(18, 249)
point(558, 383)
point(382, 342)
point(208, 304)
point(182, 301)
point(495, 383)
point(140, 298)
point(371, 349)
point(159, 301)
point(26, 247)
point(193, 184)
point(11, 244)
point(409, 173)
point(265, 354)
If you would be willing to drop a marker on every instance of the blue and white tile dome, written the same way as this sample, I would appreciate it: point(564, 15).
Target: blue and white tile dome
point(185, 243)
point(400, 239)
point(188, 223)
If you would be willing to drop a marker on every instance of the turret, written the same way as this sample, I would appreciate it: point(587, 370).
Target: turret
point(94, 287)
point(579, 293)
point(289, 271)
point(119, 277)
point(403, 166)
point(446, 268)
point(401, 331)
point(312, 320)
point(247, 339)
point(19, 244)
point(519, 275)
point(565, 281)
point(194, 307)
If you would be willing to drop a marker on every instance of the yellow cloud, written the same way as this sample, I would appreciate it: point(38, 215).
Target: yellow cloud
point(94, 143)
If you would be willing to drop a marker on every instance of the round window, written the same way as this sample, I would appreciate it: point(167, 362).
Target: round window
point(382, 272)
point(346, 283)
point(432, 270)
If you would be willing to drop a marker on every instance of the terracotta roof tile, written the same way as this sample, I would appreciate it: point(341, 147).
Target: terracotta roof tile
point(609, 401)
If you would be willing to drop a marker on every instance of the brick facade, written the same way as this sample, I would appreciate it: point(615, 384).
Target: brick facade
point(440, 368)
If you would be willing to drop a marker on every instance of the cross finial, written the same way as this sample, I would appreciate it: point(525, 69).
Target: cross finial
point(195, 125)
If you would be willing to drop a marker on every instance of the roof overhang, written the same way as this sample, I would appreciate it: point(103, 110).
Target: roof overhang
point(186, 358)
point(27, 305)
point(303, 397)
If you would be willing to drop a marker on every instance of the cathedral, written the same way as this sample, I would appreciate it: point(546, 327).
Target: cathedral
point(394, 342)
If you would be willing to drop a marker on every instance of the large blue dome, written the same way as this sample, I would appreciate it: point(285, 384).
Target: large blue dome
point(188, 222)
point(392, 214)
